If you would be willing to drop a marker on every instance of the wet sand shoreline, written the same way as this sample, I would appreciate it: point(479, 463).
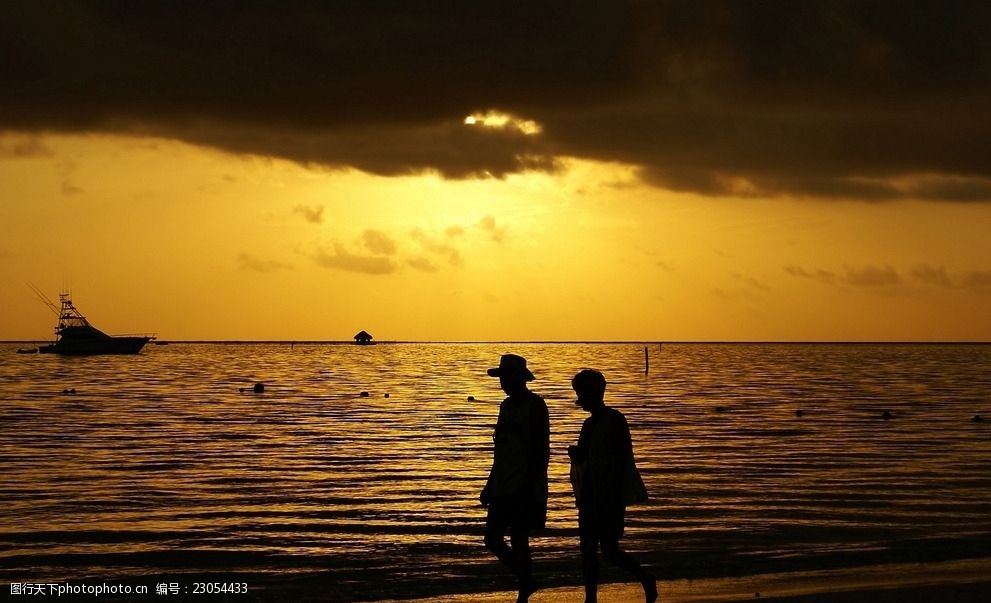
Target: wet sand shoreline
point(961, 581)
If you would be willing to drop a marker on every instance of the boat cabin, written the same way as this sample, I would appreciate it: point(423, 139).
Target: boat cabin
point(363, 338)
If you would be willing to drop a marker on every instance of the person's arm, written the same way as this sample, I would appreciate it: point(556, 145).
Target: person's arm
point(542, 452)
point(579, 451)
point(485, 495)
point(625, 441)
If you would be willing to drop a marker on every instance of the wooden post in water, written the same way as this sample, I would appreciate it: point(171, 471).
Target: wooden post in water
point(646, 361)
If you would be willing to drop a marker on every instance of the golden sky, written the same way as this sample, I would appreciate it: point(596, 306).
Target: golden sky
point(616, 173)
point(192, 243)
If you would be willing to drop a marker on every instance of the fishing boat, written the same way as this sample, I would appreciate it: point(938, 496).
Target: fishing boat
point(76, 337)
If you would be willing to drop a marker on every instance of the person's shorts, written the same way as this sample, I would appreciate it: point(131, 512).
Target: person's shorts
point(597, 525)
point(508, 511)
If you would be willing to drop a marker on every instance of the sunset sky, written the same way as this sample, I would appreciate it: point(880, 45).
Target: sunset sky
point(490, 171)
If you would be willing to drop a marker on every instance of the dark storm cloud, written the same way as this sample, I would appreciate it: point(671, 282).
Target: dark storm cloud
point(845, 99)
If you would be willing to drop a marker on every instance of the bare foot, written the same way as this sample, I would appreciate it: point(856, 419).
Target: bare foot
point(526, 589)
point(650, 589)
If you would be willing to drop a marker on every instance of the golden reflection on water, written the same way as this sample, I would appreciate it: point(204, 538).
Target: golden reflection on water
point(159, 456)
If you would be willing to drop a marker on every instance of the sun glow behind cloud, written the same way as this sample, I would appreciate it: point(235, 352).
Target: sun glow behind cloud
point(503, 121)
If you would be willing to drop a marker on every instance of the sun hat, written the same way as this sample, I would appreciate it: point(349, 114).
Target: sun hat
point(511, 364)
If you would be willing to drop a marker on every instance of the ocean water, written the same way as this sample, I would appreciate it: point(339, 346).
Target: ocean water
point(159, 465)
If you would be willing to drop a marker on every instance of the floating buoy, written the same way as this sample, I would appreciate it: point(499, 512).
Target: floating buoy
point(886, 415)
point(363, 394)
point(471, 398)
point(720, 409)
point(977, 418)
point(799, 412)
point(259, 388)
point(387, 395)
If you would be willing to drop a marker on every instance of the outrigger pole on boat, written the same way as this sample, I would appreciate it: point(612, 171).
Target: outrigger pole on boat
point(41, 297)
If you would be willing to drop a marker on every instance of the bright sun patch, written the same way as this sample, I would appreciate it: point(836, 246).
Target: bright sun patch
point(493, 119)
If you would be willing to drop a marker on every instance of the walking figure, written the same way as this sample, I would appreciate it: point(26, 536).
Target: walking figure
point(605, 480)
point(516, 491)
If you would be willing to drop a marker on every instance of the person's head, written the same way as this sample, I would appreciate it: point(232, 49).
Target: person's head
point(590, 386)
point(513, 373)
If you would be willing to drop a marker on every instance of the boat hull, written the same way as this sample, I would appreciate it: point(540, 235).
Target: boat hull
point(92, 347)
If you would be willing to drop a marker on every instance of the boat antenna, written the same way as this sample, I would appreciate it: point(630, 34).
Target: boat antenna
point(41, 297)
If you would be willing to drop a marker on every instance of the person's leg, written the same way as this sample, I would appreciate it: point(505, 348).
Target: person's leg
point(626, 561)
point(611, 525)
point(495, 531)
point(520, 540)
point(588, 543)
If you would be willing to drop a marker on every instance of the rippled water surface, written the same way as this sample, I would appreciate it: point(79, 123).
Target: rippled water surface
point(159, 464)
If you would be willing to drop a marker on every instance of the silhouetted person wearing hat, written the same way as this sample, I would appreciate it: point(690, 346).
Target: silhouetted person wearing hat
point(516, 492)
point(606, 480)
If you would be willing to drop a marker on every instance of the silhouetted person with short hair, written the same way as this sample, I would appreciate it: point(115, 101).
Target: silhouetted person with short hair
point(516, 491)
point(606, 480)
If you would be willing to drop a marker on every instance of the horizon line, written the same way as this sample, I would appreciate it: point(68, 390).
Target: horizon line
point(553, 341)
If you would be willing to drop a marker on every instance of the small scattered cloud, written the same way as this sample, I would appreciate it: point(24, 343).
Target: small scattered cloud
point(249, 262)
point(69, 189)
point(823, 276)
point(882, 277)
point(311, 213)
point(435, 247)
point(454, 231)
point(974, 280)
point(422, 263)
point(666, 266)
point(67, 167)
point(872, 276)
point(756, 284)
point(750, 281)
point(23, 146)
point(378, 242)
point(931, 275)
point(495, 232)
point(342, 259)
point(867, 276)
point(951, 188)
point(978, 280)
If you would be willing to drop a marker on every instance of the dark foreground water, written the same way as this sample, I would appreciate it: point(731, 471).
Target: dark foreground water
point(158, 465)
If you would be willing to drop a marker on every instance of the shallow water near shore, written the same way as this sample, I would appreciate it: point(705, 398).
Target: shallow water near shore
point(158, 464)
